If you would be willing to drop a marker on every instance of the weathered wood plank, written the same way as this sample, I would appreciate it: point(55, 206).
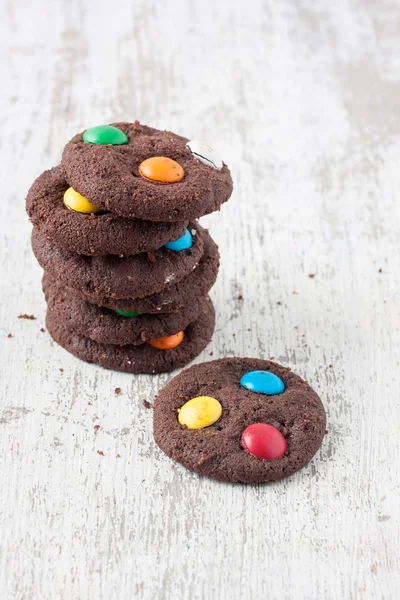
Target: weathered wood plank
point(302, 98)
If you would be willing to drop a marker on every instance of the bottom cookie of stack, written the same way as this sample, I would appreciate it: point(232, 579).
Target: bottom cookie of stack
point(143, 358)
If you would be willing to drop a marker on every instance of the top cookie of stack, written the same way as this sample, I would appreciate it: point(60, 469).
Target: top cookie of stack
point(133, 192)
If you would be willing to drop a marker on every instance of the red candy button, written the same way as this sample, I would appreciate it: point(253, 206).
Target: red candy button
point(264, 441)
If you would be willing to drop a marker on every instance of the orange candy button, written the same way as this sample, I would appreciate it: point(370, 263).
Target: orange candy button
point(161, 169)
point(168, 342)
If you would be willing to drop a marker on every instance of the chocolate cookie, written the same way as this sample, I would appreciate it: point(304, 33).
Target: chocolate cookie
point(112, 276)
point(92, 234)
point(110, 327)
point(258, 423)
point(137, 359)
point(197, 283)
point(118, 174)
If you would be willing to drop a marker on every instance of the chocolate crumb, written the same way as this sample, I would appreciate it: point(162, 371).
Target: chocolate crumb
point(42, 329)
point(211, 353)
point(147, 404)
point(379, 270)
point(330, 366)
point(30, 317)
point(10, 335)
point(279, 302)
point(118, 456)
point(100, 452)
point(326, 432)
point(311, 275)
point(96, 427)
point(249, 329)
point(117, 391)
point(61, 369)
point(271, 357)
point(89, 404)
point(240, 297)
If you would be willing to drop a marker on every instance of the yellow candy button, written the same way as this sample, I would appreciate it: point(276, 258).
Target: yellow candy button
point(200, 412)
point(79, 203)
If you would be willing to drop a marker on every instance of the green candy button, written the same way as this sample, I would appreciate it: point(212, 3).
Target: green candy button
point(127, 314)
point(105, 134)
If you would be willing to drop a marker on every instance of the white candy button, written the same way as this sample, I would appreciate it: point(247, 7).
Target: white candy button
point(205, 154)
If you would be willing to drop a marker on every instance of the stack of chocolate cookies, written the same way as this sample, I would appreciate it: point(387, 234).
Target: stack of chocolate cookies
point(127, 267)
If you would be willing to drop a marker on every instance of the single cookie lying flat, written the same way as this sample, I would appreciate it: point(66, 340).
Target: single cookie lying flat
point(110, 327)
point(126, 277)
point(91, 234)
point(177, 296)
point(138, 359)
point(112, 173)
point(258, 422)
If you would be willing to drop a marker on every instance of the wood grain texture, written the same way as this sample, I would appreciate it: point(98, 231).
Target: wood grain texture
point(302, 98)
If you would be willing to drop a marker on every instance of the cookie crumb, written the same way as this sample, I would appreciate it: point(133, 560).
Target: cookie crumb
point(311, 275)
point(61, 369)
point(100, 452)
point(30, 317)
point(271, 357)
point(147, 404)
point(96, 427)
point(118, 456)
point(279, 302)
point(117, 391)
point(42, 329)
point(89, 404)
point(10, 335)
point(379, 270)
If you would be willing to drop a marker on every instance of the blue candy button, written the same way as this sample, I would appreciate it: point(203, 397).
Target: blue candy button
point(183, 243)
point(263, 382)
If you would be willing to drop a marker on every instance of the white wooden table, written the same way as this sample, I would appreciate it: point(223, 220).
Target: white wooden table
point(303, 99)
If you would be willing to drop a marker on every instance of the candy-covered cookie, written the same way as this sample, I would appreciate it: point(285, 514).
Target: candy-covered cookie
point(127, 277)
point(160, 355)
point(145, 173)
point(68, 221)
point(198, 283)
point(115, 327)
point(239, 420)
